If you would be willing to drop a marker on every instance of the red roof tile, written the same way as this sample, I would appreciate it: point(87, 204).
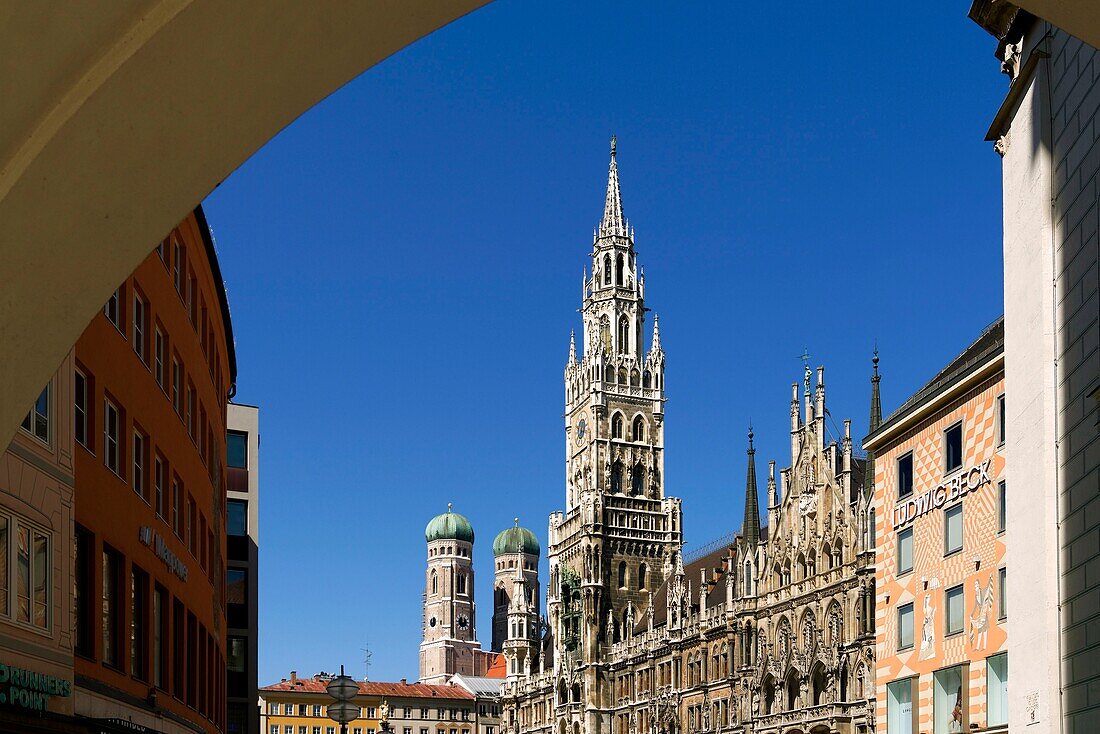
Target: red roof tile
point(372, 688)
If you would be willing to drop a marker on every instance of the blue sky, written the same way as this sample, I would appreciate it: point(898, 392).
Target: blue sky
point(404, 261)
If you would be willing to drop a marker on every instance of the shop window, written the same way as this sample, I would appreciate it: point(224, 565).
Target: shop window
point(139, 624)
point(160, 637)
point(953, 529)
point(899, 706)
point(84, 596)
point(949, 705)
point(905, 475)
point(996, 682)
point(953, 448)
point(112, 616)
point(953, 610)
point(905, 551)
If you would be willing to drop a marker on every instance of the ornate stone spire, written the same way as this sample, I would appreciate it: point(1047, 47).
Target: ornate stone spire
point(873, 425)
point(750, 528)
point(572, 347)
point(655, 345)
point(613, 222)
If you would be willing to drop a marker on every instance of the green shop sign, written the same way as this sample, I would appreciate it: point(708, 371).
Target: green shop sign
point(28, 689)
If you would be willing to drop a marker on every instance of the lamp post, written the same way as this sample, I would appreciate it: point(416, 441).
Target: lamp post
point(343, 689)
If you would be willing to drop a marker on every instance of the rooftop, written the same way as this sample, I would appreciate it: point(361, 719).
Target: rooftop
point(402, 689)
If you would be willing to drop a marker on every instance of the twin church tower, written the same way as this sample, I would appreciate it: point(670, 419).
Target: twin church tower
point(617, 524)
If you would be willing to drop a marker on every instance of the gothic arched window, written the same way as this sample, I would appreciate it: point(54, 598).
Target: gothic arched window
point(460, 583)
point(609, 374)
point(622, 574)
point(622, 375)
point(638, 429)
point(617, 425)
point(617, 477)
point(637, 479)
point(747, 580)
point(619, 279)
point(607, 270)
point(641, 577)
point(624, 335)
point(634, 378)
point(435, 583)
point(647, 378)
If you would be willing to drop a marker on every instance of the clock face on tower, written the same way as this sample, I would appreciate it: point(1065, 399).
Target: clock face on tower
point(463, 622)
point(431, 622)
point(582, 429)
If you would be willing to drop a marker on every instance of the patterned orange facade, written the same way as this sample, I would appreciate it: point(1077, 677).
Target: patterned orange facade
point(939, 490)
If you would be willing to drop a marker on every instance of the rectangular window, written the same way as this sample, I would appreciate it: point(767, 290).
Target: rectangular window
point(996, 682)
point(899, 707)
point(905, 475)
point(32, 576)
point(191, 525)
point(160, 348)
point(192, 293)
point(113, 308)
point(1002, 421)
point(112, 568)
point(953, 448)
point(160, 471)
point(1002, 593)
point(80, 408)
point(236, 449)
point(237, 518)
point(953, 529)
point(179, 650)
point(274, 727)
point(953, 610)
point(111, 425)
point(160, 635)
point(84, 596)
point(905, 626)
point(141, 460)
point(37, 422)
point(949, 714)
point(905, 551)
point(141, 328)
point(139, 625)
point(238, 658)
point(177, 385)
point(177, 499)
point(190, 419)
point(177, 267)
point(1002, 507)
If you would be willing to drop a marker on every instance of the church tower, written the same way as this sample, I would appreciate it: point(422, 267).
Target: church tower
point(514, 548)
point(449, 643)
point(619, 536)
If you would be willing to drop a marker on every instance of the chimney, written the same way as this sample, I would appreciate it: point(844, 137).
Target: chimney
point(294, 676)
point(404, 682)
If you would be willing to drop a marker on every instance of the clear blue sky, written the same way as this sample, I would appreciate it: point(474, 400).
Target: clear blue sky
point(404, 261)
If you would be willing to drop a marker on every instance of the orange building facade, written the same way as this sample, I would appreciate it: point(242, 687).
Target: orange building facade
point(939, 492)
point(151, 376)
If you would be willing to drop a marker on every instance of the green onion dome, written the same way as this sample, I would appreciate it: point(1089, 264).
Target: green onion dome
point(449, 526)
point(516, 540)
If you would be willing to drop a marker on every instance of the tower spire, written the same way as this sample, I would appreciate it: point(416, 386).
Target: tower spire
point(655, 344)
point(572, 351)
point(613, 222)
point(750, 529)
point(873, 425)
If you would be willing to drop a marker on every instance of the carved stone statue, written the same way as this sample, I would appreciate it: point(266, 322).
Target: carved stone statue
point(384, 711)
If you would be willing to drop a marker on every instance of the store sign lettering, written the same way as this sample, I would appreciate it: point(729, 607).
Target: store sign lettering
point(162, 551)
point(961, 484)
point(29, 689)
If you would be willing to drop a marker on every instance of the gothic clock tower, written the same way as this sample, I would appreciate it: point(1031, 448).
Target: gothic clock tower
point(619, 536)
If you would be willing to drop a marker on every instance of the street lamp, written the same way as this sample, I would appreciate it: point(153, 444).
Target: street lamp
point(343, 689)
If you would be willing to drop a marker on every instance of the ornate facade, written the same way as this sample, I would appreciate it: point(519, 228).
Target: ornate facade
point(770, 631)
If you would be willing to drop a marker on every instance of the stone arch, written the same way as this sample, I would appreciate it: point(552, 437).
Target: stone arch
point(638, 428)
point(609, 374)
point(622, 376)
point(768, 691)
point(576, 693)
point(563, 696)
point(635, 378)
point(637, 479)
point(826, 556)
point(617, 477)
point(817, 684)
point(617, 424)
point(791, 686)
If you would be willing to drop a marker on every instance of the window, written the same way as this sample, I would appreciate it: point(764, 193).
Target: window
point(139, 627)
point(190, 419)
point(953, 529)
point(37, 422)
point(112, 568)
point(237, 518)
point(80, 408)
point(141, 449)
point(905, 475)
point(111, 421)
point(141, 314)
point(160, 347)
point(159, 479)
point(617, 477)
point(84, 596)
point(113, 308)
point(191, 526)
point(641, 576)
point(899, 706)
point(622, 574)
point(637, 479)
point(996, 682)
point(177, 268)
point(953, 610)
point(617, 426)
point(31, 572)
point(160, 634)
point(460, 583)
point(236, 449)
point(1002, 421)
point(953, 448)
point(177, 499)
point(949, 712)
point(905, 551)
point(1002, 507)
point(177, 385)
point(237, 656)
point(905, 626)
point(1002, 593)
